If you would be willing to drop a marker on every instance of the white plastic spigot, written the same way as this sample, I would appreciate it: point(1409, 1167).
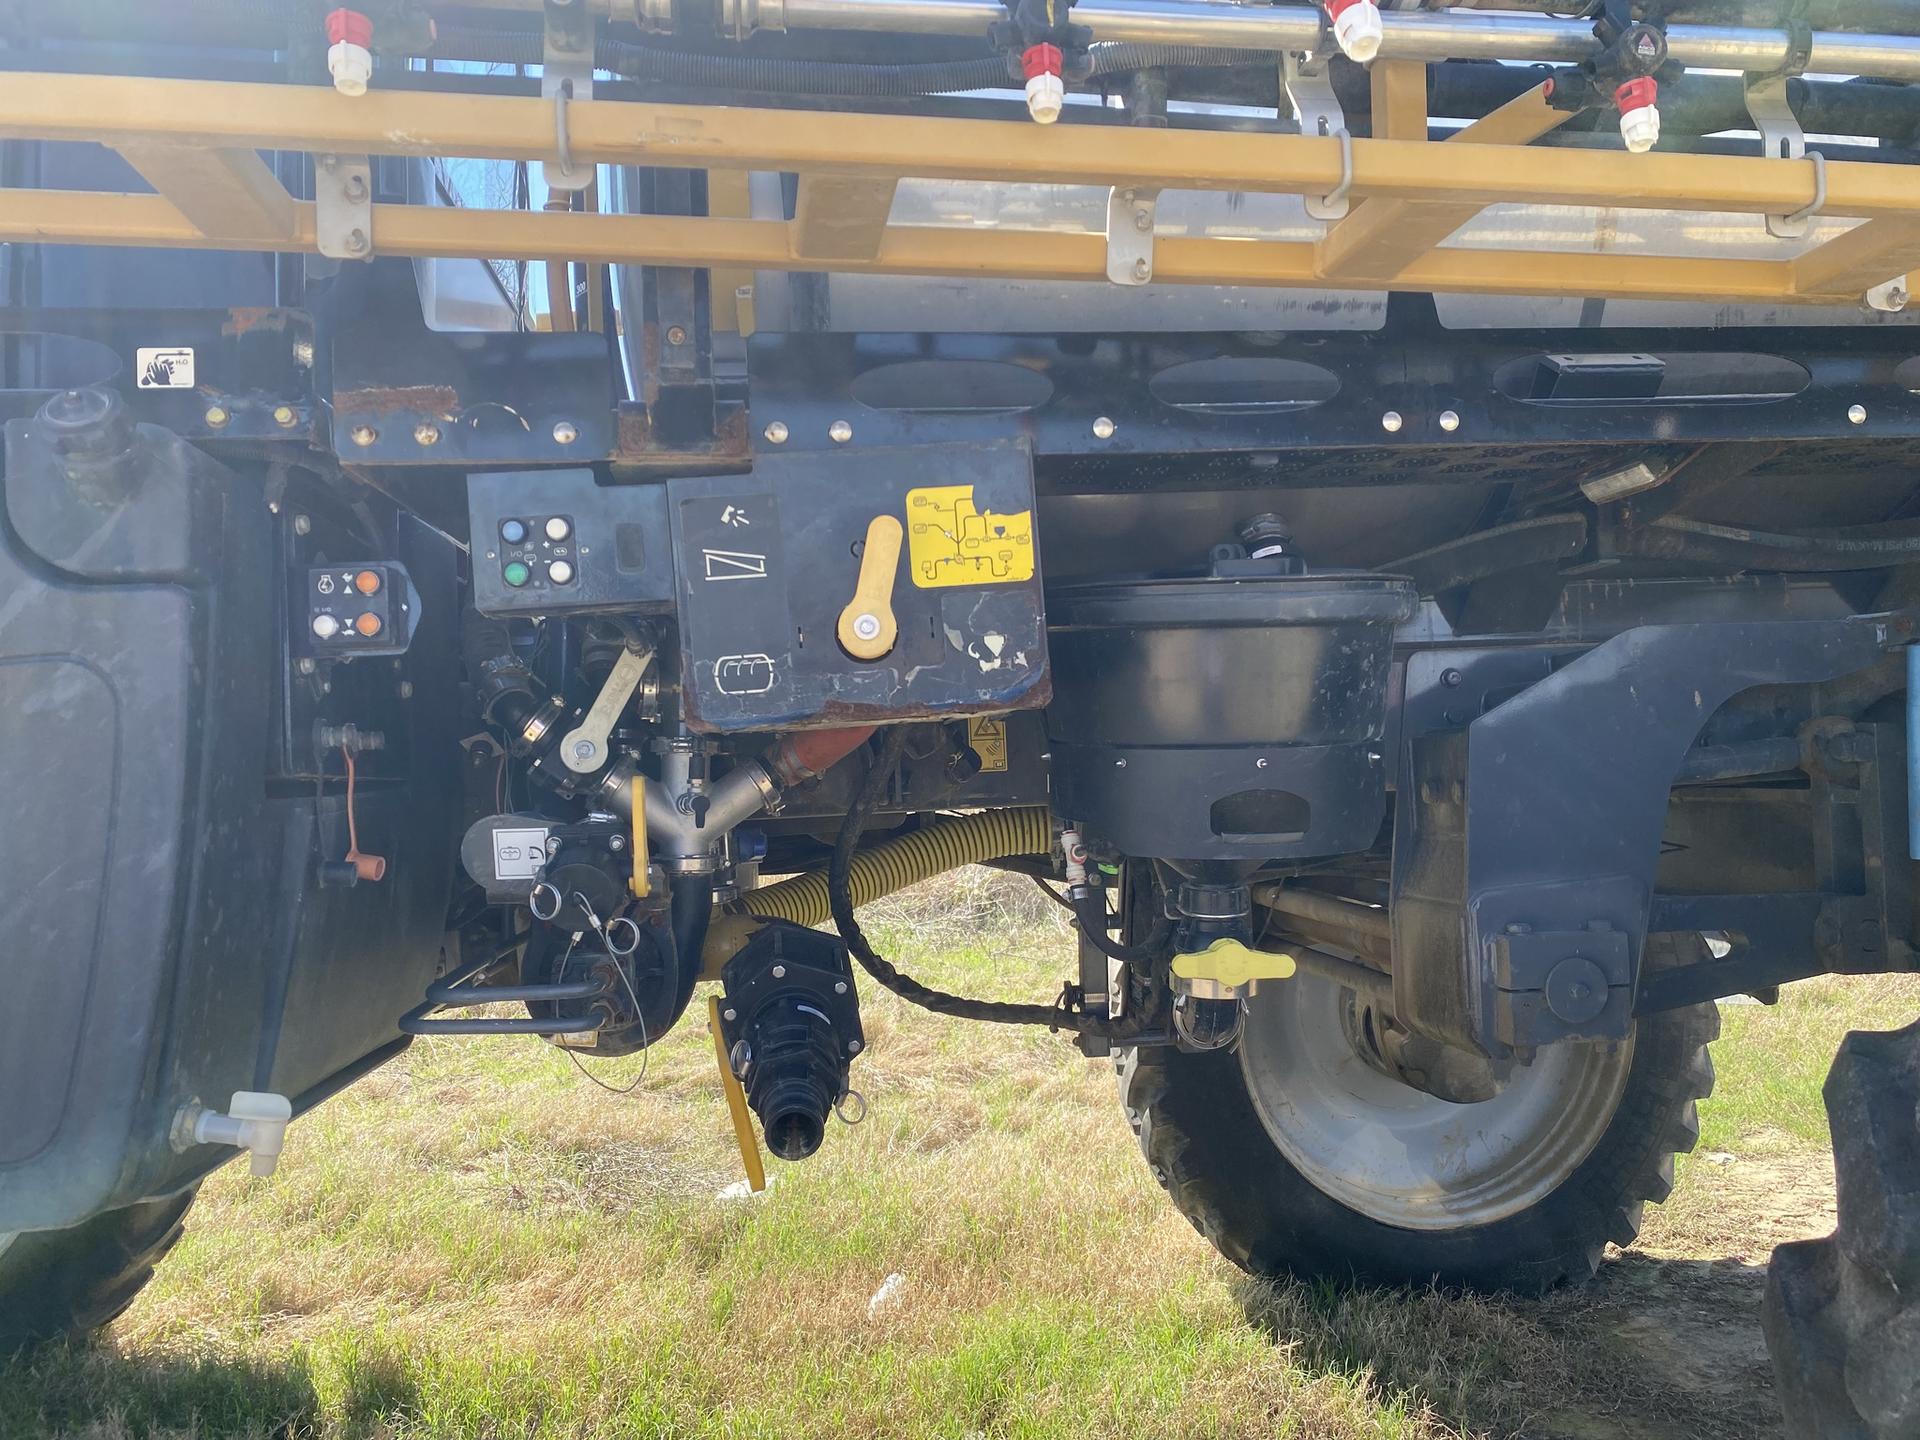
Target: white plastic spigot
point(349, 53)
point(351, 67)
point(1639, 114)
point(1046, 91)
point(256, 1121)
point(1046, 95)
point(1357, 29)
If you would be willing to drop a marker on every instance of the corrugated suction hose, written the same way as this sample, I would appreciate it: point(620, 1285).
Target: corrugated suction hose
point(895, 864)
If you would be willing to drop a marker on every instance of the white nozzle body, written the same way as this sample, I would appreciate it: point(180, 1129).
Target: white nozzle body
point(1640, 128)
point(1358, 31)
point(256, 1121)
point(1046, 94)
point(351, 66)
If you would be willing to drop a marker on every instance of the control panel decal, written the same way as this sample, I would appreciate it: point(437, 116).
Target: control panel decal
point(952, 542)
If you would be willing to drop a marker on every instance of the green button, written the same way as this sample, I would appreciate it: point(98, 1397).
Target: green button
point(516, 574)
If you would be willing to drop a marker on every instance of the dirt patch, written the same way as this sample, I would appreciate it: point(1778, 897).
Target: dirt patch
point(1682, 1306)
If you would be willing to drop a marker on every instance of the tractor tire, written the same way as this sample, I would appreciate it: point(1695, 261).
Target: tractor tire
point(1293, 1156)
point(1842, 1314)
point(58, 1284)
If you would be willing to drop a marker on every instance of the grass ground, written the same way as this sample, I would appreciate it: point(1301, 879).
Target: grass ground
point(478, 1242)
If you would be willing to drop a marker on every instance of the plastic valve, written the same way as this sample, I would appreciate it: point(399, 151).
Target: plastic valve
point(350, 54)
point(1046, 91)
point(256, 1121)
point(1639, 113)
point(1357, 28)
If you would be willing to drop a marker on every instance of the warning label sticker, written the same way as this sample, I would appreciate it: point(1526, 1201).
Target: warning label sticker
point(987, 736)
point(162, 368)
point(519, 854)
point(952, 543)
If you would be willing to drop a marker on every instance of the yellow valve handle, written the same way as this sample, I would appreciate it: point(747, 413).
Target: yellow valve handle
point(641, 883)
point(867, 628)
point(1228, 962)
point(736, 1102)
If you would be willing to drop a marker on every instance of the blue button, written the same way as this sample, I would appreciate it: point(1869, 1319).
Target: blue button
point(512, 531)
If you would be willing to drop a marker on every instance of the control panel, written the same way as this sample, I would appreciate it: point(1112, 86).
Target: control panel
point(556, 542)
point(364, 608)
point(832, 588)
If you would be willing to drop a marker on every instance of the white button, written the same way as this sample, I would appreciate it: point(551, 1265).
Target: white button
point(325, 626)
point(558, 529)
point(560, 572)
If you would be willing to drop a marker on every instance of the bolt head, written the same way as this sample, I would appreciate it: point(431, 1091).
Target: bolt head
point(357, 242)
point(867, 627)
point(839, 987)
point(426, 433)
point(1391, 422)
point(1103, 428)
point(302, 525)
point(729, 1014)
point(1451, 679)
point(1449, 421)
point(840, 431)
point(406, 689)
point(779, 972)
point(1142, 220)
point(616, 843)
point(1857, 414)
point(218, 416)
point(676, 335)
point(777, 432)
point(584, 749)
point(1261, 763)
point(306, 667)
point(285, 416)
point(356, 188)
point(853, 1047)
point(1143, 268)
point(565, 432)
point(364, 435)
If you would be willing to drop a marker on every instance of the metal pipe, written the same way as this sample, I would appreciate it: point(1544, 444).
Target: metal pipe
point(1409, 35)
point(1370, 984)
point(1327, 909)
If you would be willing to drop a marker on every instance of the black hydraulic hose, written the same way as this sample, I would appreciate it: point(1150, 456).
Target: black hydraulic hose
point(1091, 912)
point(817, 77)
point(690, 911)
point(1063, 1014)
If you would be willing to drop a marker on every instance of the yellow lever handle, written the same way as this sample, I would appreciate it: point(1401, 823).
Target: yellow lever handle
point(867, 628)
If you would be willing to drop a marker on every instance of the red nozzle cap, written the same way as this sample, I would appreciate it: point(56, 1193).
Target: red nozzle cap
point(1335, 8)
point(1637, 94)
point(1041, 60)
point(349, 27)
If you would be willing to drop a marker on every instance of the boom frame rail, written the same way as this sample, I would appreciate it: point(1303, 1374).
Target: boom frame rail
point(197, 143)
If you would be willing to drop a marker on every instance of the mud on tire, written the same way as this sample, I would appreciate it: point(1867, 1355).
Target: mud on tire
point(1842, 1314)
point(56, 1283)
point(1207, 1146)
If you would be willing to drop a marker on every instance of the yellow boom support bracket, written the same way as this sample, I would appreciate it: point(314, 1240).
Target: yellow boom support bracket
point(196, 141)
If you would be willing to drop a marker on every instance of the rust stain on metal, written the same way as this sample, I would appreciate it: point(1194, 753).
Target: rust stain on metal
point(440, 400)
point(243, 319)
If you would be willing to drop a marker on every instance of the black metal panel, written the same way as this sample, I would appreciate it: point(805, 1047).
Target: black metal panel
point(767, 563)
point(1415, 369)
point(251, 370)
point(615, 542)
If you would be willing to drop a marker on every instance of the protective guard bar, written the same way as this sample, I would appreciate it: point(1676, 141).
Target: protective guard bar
point(196, 140)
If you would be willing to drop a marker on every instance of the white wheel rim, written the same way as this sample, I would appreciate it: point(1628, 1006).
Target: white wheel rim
point(1400, 1156)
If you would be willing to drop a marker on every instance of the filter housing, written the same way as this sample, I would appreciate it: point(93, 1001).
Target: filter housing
point(1236, 714)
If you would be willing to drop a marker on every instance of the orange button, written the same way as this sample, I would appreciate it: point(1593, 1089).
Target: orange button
point(367, 581)
point(368, 624)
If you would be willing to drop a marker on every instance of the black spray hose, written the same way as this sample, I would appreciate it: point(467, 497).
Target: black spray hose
point(1063, 1014)
point(1091, 911)
point(691, 909)
point(817, 77)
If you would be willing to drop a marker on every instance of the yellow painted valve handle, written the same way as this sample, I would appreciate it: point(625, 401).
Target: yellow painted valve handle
point(867, 627)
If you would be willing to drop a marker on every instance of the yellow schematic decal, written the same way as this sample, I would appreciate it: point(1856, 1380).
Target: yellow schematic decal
point(952, 543)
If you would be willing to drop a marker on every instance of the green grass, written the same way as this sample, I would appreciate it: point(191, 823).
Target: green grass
point(476, 1242)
